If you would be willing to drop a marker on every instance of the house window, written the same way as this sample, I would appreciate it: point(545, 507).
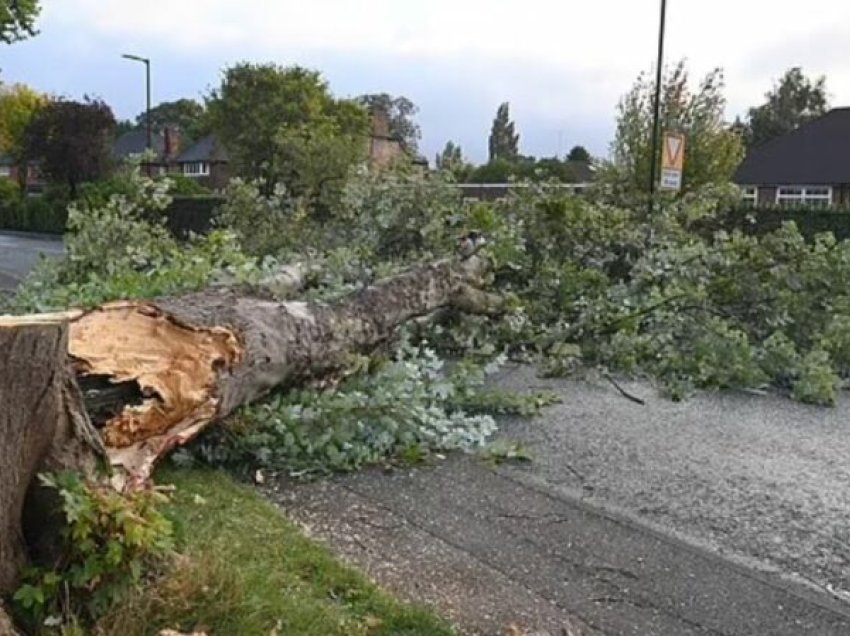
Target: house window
point(6, 171)
point(815, 196)
point(196, 169)
point(750, 194)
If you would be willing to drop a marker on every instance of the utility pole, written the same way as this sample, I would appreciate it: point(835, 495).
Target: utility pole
point(653, 171)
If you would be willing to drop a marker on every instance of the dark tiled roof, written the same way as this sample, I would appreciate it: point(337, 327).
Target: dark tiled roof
point(207, 149)
point(6, 160)
point(583, 171)
point(815, 153)
point(135, 142)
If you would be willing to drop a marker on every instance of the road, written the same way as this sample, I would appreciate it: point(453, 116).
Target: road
point(19, 253)
point(725, 514)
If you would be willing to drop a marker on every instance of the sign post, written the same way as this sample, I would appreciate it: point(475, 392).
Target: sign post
point(672, 162)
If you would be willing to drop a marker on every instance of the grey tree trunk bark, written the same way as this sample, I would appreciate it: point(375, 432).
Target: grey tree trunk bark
point(196, 358)
point(43, 426)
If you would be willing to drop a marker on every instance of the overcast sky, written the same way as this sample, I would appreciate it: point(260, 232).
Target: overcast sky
point(562, 64)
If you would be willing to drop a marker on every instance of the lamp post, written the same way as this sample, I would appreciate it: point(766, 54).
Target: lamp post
point(656, 115)
point(147, 64)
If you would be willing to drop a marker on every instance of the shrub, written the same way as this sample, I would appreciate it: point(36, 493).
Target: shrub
point(108, 542)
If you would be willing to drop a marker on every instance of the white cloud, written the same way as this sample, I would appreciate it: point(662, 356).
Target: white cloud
point(557, 60)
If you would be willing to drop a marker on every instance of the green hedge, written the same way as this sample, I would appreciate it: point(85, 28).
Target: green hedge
point(33, 214)
point(49, 215)
point(810, 221)
point(192, 214)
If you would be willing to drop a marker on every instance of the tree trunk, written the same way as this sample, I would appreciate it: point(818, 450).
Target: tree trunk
point(6, 626)
point(192, 359)
point(155, 374)
point(43, 424)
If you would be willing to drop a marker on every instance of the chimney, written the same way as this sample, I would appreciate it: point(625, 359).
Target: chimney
point(380, 123)
point(172, 143)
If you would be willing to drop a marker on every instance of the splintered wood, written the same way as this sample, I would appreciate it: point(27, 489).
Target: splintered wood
point(175, 365)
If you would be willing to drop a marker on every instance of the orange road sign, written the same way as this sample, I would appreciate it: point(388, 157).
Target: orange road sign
point(672, 161)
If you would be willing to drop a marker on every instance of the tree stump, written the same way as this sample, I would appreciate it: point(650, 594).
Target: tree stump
point(43, 424)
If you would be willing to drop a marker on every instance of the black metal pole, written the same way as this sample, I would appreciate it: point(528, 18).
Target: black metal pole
point(653, 170)
point(148, 103)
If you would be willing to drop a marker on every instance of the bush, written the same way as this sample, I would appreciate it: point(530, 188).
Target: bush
point(46, 214)
point(763, 220)
point(108, 542)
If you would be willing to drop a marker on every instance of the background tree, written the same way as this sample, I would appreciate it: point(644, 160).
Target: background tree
point(19, 105)
point(72, 141)
point(451, 160)
point(578, 153)
point(792, 102)
point(401, 112)
point(264, 112)
point(504, 140)
point(186, 114)
point(713, 149)
point(17, 19)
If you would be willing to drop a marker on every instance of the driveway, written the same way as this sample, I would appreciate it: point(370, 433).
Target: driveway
point(19, 253)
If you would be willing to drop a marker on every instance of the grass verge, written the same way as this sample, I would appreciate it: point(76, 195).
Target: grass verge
point(245, 570)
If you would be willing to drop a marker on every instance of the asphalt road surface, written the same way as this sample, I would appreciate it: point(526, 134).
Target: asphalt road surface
point(726, 514)
point(19, 253)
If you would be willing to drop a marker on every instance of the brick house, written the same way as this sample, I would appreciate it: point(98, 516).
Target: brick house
point(33, 183)
point(809, 166)
point(207, 161)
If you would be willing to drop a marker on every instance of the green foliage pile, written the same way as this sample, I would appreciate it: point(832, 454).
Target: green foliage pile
point(409, 406)
point(597, 283)
point(117, 247)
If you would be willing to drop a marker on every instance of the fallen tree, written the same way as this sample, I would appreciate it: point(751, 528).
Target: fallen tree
point(154, 374)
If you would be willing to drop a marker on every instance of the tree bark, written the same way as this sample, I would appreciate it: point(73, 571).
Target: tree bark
point(43, 424)
point(196, 358)
point(6, 626)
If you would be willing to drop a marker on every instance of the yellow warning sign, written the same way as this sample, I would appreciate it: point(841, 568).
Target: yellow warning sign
point(673, 152)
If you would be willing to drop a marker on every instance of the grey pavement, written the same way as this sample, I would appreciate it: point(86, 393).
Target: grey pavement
point(19, 253)
point(725, 514)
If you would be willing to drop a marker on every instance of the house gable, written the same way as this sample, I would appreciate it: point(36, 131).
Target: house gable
point(816, 153)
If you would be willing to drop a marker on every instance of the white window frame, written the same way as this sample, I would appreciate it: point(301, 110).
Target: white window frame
point(804, 195)
point(6, 171)
point(750, 194)
point(196, 169)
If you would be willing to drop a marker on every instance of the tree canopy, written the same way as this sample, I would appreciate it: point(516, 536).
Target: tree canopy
point(72, 141)
point(713, 149)
point(401, 112)
point(282, 125)
point(19, 105)
point(17, 19)
point(794, 100)
point(186, 114)
point(578, 153)
point(504, 140)
point(451, 161)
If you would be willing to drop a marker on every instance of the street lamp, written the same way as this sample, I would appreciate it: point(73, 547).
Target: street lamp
point(147, 64)
point(657, 106)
